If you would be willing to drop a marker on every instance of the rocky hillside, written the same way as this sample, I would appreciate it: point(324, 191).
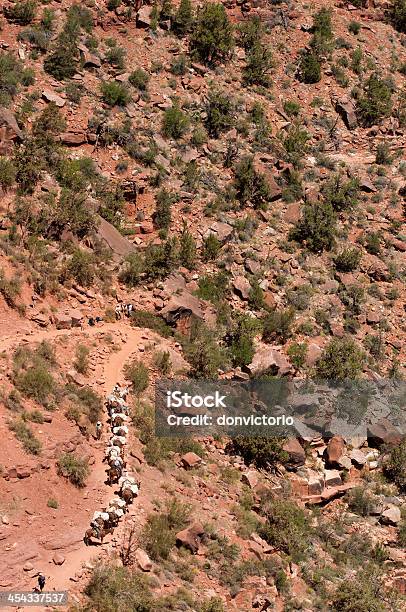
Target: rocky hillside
point(237, 173)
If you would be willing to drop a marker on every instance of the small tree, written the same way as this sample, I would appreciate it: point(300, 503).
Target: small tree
point(22, 12)
point(295, 144)
point(8, 173)
point(341, 194)
point(219, 111)
point(259, 64)
point(250, 32)
point(139, 79)
point(398, 14)
point(211, 247)
point(137, 373)
point(212, 38)
point(175, 122)
point(317, 227)
point(250, 185)
point(376, 103)
point(395, 466)
point(183, 18)
point(132, 270)
point(75, 469)
point(309, 70)
point(204, 353)
point(162, 215)
point(348, 260)
point(277, 325)
point(187, 249)
point(114, 94)
point(341, 359)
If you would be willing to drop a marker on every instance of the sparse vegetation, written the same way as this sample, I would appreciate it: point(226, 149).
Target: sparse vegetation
point(75, 469)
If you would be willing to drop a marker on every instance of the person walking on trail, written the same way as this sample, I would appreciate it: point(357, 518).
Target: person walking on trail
point(41, 582)
point(99, 429)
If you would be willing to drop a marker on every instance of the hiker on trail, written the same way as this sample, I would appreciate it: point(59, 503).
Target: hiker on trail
point(41, 581)
point(99, 429)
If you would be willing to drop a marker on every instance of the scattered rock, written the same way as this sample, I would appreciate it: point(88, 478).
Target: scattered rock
point(51, 96)
point(297, 455)
point(391, 516)
point(190, 537)
point(335, 449)
point(250, 478)
point(190, 460)
point(144, 562)
point(58, 559)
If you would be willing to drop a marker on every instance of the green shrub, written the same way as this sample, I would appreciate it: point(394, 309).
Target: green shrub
point(341, 194)
point(163, 362)
point(317, 227)
point(211, 247)
point(348, 260)
point(203, 352)
point(160, 531)
point(395, 466)
point(52, 503)
point(139, 79)
point(309, 71)
point(75, 469)
point(291, 108)
point(137, 373)
point(183, 18)
point(287, 528)
point(398, 14)
point(115, 56)
point(25, 435)
point(175, 122)
point(240, 339)
point(259, 64)
point(143, 318)
point(250, 185)
point(81, 363)
point(22, 12)
point(10, 289)
point(263, 452)
point(376, 103)
point(118, 589)
point(219, 113)
point(81, 267)
point(354, 27)
point(161, 259)
point(213, 287)
point(250, 32)
point(179, 65)
point(299, 297)
point(373, 243)
point(132, 269)
point(114, 94)
point(362, 593)
point(277, 325)
point(297, 354)
point(295, 144)
point(341, 359)
point(36, 382)
point(187, 249)
point(212, 37)
point(11, 76)
point(162, 216)
point(360, 501)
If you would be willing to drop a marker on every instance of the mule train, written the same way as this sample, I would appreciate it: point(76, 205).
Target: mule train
point(104, 521)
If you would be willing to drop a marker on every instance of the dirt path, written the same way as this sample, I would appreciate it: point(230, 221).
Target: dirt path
point(60, 577)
